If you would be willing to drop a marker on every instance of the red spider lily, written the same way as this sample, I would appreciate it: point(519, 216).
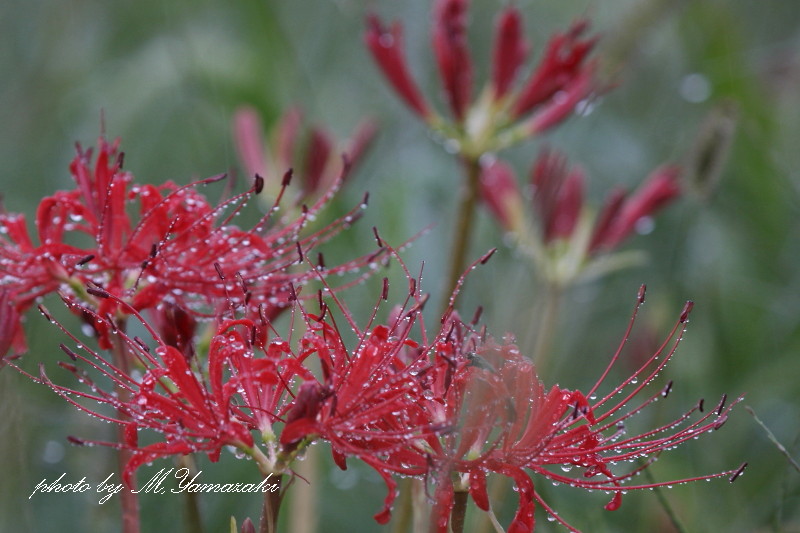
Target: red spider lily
point(169, 397)
point(312, 155)
point(560, 211)
point(374, 400)
point(508, 423)
point(368, 401)
point(158, 244)
point(562, 79)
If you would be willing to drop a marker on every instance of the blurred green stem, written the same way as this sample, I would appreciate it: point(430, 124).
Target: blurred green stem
point(272, 505)
point(194, 523)
point(662, 500)
point(771, 436)
point(303, 504)
point(464, 226)
point(548, 322)
point(129, 501)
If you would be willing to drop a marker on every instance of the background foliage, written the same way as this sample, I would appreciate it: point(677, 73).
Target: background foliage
point(167, 77)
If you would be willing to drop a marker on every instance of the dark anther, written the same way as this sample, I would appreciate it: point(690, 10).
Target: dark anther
point(667, 389)
point(365, 201)
point(259, 184)
point(300, 252)
point(75, 440)
point(738, 472)
point(219, 271)
point(120, 160)
point(304, 209)
point(722, 404)
point(412, 286)
point(141, 344)
point(69, 352)
point(292, 293)
point(385, 293)
point(85, 260)
point(701, 404)
point(377, 237)
point(686, 310)
point(320, 261)
point(97, 291)
point(287, 178)
point(642, 291)
point(153, 250)
point(488, 256)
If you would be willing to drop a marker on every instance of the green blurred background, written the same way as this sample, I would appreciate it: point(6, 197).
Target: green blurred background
point(167, 78)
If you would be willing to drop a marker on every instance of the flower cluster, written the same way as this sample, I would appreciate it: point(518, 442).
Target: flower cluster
point(569, 236)
point(160, 245)
point(503, 114)
point(450, 406)
point(312, 154)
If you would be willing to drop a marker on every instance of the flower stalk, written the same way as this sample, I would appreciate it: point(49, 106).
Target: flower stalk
point(129, 500)
point(464, 226)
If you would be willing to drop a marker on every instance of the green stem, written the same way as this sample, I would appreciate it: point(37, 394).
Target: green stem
point(194, 523)
point(462, 235)
point(129, 501)
point(272, 505)
point(548, 322)
point(662, 500)
point(303, 512)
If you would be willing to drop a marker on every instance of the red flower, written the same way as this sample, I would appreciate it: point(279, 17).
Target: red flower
point(168, 395)
point(560, 212)
point(313, 155)
point(510, 424)
point(177, 249)
point(563, 78)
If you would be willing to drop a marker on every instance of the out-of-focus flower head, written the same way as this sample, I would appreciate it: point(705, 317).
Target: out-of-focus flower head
point(569, 241)
point(160, 244)
point(314, 154)
point(507, 422)
point(503, 114)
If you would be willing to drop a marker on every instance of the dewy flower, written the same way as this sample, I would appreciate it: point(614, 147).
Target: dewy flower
point(502, 115)
point(368, 402)
point(158, 244)
point(312, 154)
point(568, 238)
point(509, 423)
